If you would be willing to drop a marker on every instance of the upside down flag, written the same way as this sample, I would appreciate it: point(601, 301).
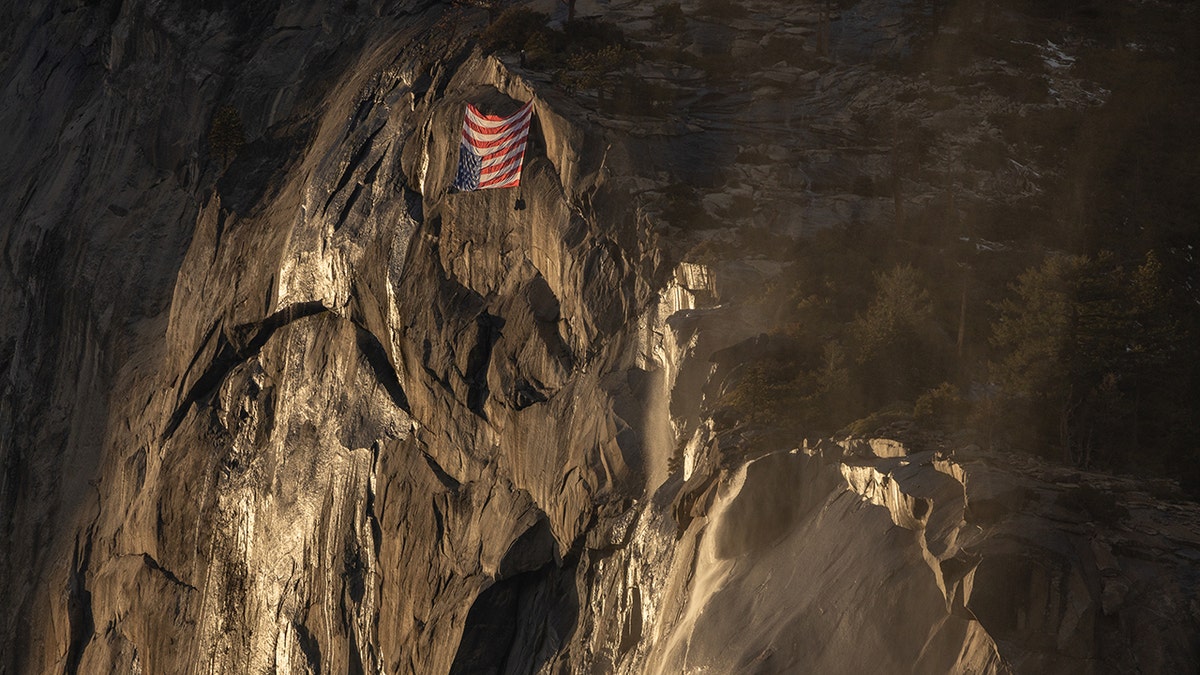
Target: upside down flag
point(492, 149)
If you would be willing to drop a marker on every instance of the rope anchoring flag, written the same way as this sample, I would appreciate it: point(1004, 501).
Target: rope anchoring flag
point(492, 149)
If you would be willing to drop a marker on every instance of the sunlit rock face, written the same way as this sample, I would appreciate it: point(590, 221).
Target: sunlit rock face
point(309, 411)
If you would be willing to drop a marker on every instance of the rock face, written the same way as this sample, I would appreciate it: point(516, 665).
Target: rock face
point(311, 412)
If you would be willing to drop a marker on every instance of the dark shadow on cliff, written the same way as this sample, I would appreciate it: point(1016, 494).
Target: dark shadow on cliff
point(523, 619)
point(259, 166)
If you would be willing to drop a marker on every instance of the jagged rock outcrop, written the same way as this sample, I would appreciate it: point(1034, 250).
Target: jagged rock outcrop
point(311, 412)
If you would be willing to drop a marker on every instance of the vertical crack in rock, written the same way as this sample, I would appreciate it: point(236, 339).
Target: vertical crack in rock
point(79, 604)
point(372, 513)
point(347, 208)
point(488, 329)
point(381, 366)
point(360, 155)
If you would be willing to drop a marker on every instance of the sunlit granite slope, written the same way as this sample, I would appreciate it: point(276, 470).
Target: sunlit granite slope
point(311, 411)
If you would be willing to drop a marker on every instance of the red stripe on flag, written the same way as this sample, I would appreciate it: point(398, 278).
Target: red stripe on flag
point(482, 144)
point(469, 125)
point(489, 147)
point(498, 180)
point(475, 110)
point(501, 167)
point(514, 148)
point(514, 182)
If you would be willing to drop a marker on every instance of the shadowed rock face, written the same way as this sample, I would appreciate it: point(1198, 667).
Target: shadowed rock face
point(310, 412)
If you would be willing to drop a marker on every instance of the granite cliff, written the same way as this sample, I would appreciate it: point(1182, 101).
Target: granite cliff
point(304, 409)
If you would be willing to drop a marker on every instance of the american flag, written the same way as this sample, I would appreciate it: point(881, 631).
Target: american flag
point(492, 149)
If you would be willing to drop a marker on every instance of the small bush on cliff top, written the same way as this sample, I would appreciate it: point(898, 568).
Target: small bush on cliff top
point(583, 55)
point(513, 29)
point(941, 407)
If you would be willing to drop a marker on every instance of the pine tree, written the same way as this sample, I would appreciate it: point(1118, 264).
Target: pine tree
point(896, 337)
point(1092, 347)
point(1033, 333)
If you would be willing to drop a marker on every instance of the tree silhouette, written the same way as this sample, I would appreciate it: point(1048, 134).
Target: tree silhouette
point(225, 135)
point(898, 342)
point(1091, 347)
